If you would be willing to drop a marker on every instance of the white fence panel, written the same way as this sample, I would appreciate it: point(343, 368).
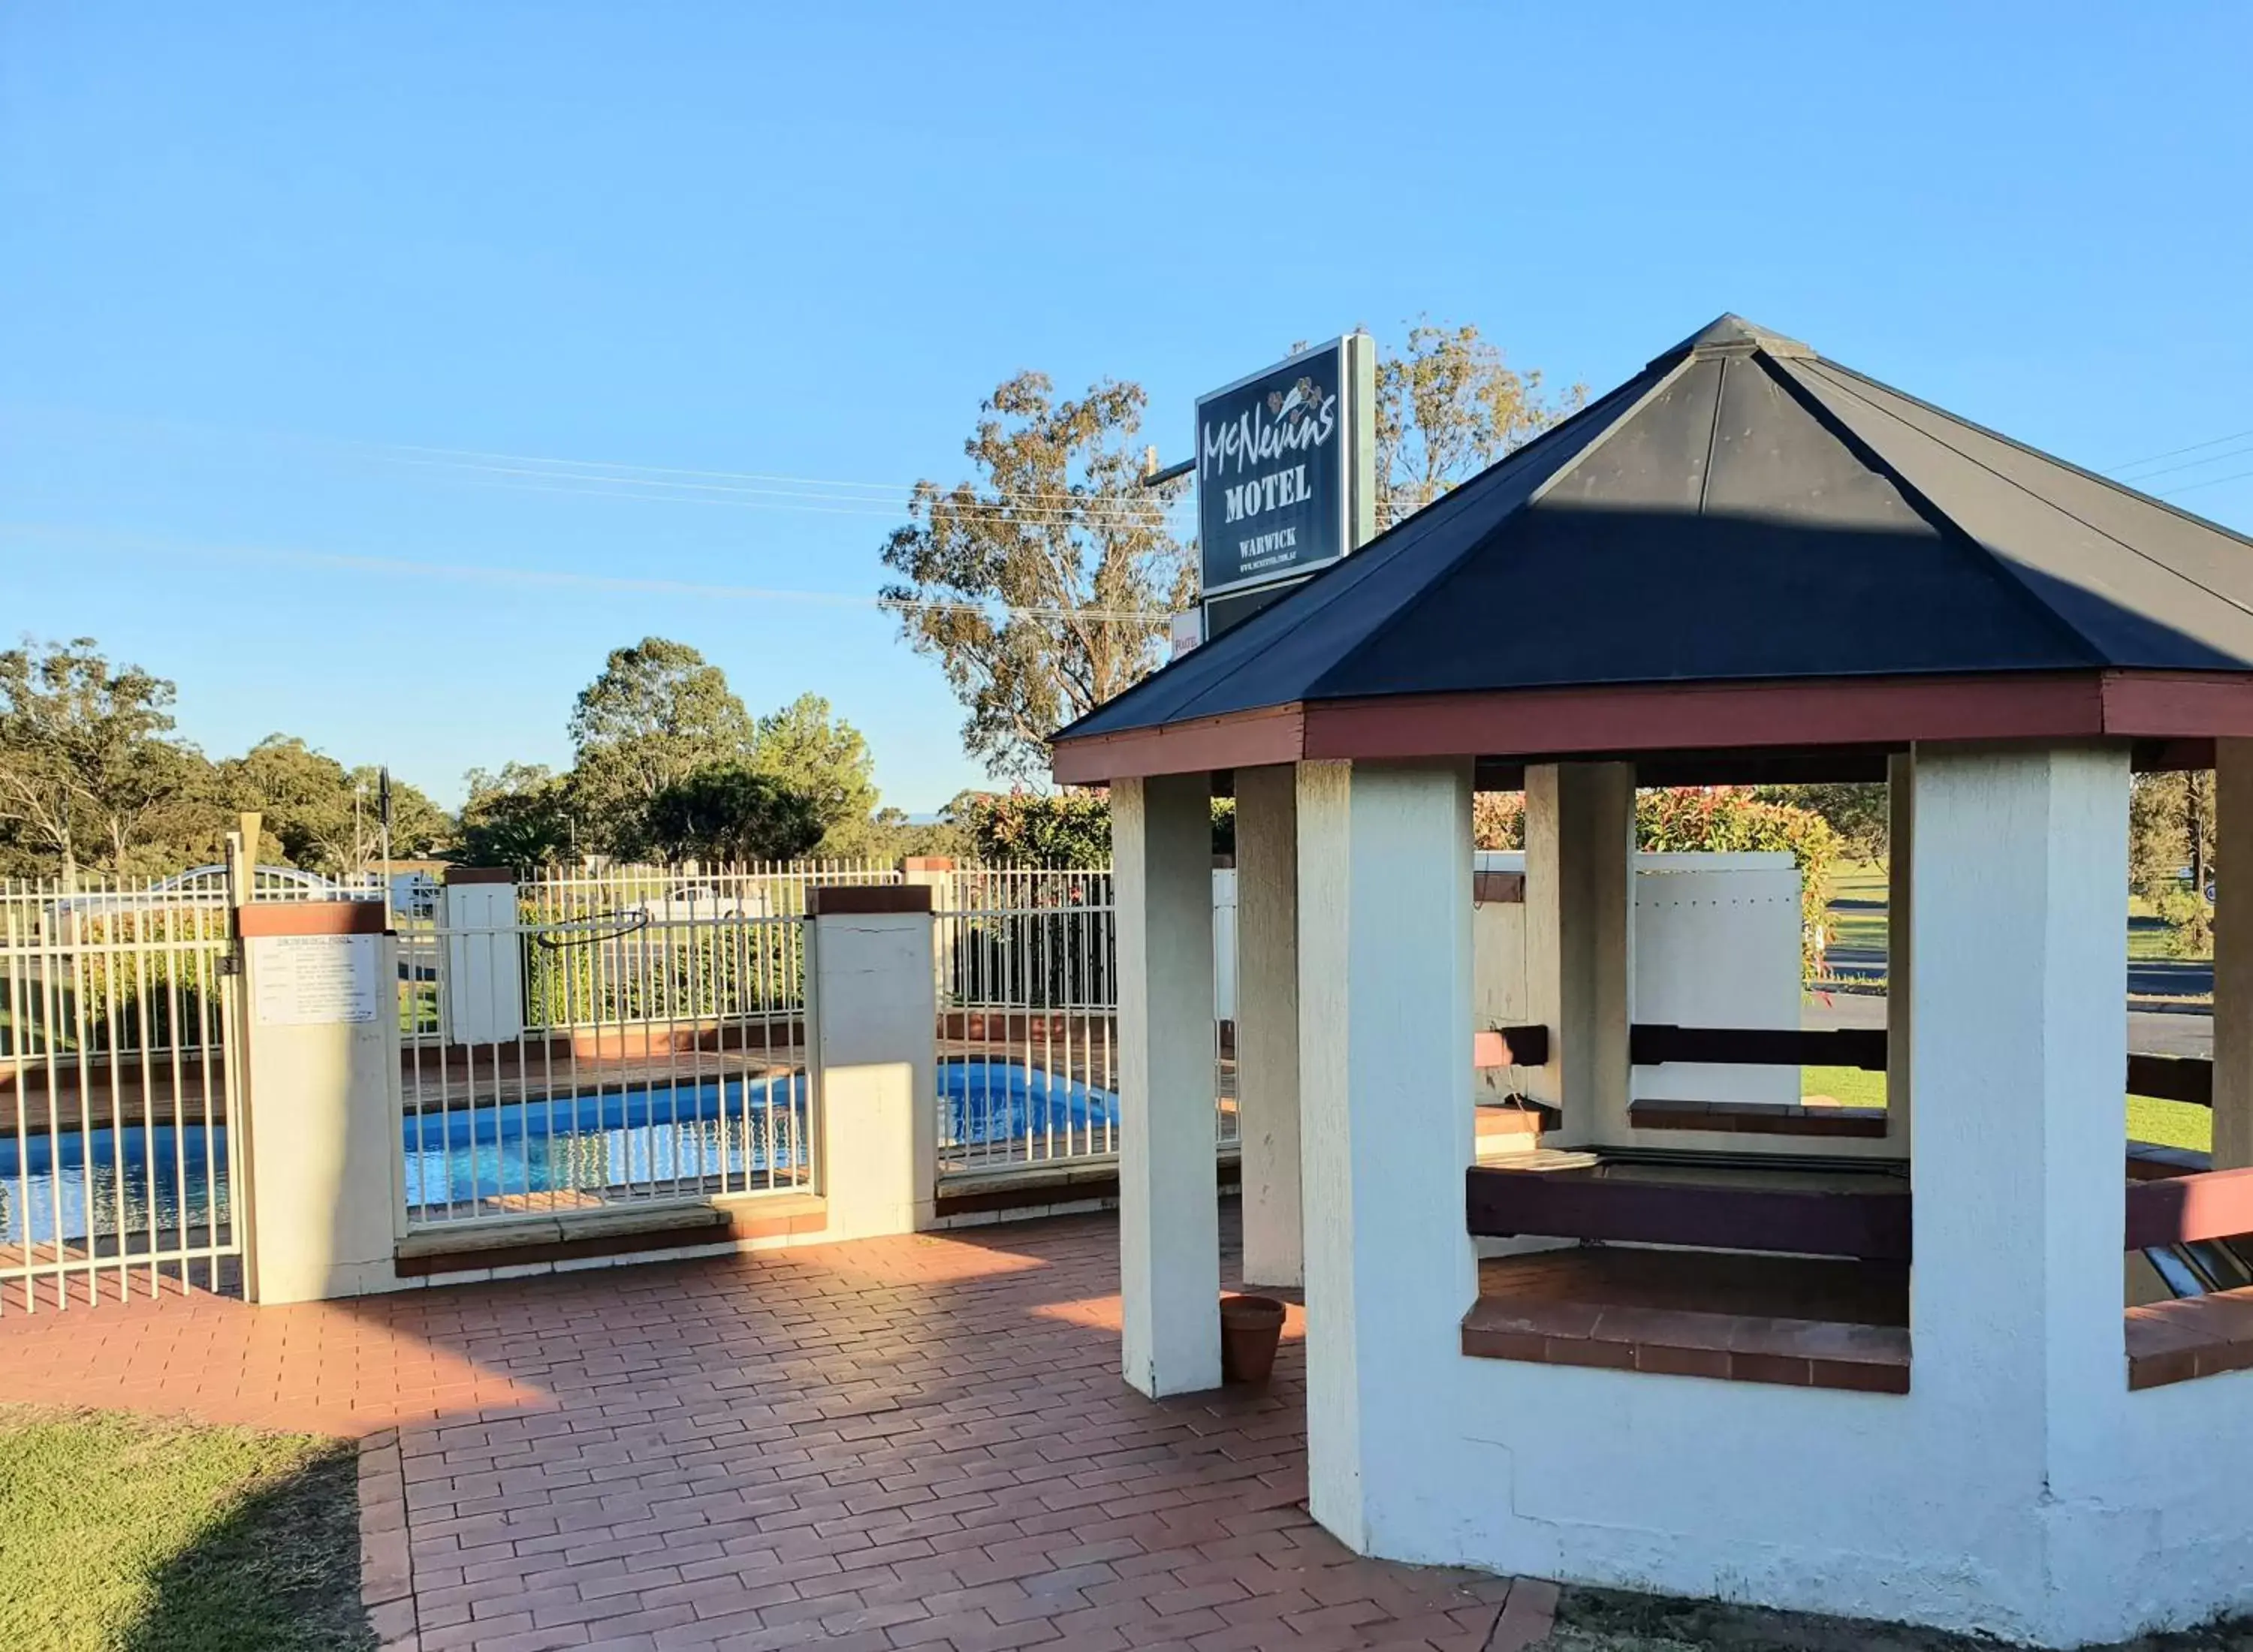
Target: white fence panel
point(632, 1057)
point(118, 1167)
point(1716, 945)
point(1027, 1070)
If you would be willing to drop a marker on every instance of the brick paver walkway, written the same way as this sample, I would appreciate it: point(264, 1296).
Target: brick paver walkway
point(899, 1443)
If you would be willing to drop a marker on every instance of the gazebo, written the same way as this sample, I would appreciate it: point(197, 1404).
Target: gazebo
point(1886, 1373)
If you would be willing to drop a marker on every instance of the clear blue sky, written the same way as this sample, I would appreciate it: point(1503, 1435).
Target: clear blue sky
point(248, 254)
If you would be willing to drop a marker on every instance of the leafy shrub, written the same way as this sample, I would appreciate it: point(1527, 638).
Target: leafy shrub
point(2189, 918)
point(120, 979)
point(1066, 830)
point(1498, 820)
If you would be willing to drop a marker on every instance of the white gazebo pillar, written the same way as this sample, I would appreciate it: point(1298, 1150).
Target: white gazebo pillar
point(1900, 933)
point(2233, 955)
point(2018, 1039)
point(1385, 1021)
point(1168, 1182)
point(1267, 1021)
point(1580, 868)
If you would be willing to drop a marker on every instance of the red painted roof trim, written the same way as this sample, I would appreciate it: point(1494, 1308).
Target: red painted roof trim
point(1670, 717)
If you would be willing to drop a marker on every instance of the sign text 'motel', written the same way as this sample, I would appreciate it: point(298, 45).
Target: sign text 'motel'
point(1274, 471)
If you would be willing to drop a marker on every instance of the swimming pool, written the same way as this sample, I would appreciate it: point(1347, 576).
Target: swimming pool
point(729, 1133)
point(999, 1111)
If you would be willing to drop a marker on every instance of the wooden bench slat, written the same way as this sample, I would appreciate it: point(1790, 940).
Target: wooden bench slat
point(1873, 1226)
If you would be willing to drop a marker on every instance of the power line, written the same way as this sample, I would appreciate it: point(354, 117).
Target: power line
point(876, 490)
point(891, 497)
point(2212, 481)
point(2223, 456)
point(2212, 441)
point(559, 578)
point(1095, 510)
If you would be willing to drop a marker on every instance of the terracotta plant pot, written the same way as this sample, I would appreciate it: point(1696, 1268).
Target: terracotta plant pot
point(1249, 1328)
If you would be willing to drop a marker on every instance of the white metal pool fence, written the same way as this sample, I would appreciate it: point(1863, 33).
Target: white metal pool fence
point(87, 932)
point(603, 1053)
point(631, 1036)
point(749, 889)
point(1028, 1069)
point(116, 1162)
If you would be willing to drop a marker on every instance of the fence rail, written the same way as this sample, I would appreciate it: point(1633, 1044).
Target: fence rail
point(633, 1037)
point(117, 1165)
point(1027, 1070)
point(592, 1062)
point(751, 889)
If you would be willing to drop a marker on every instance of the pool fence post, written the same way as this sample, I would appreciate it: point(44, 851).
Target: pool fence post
point(320, 1099)
point(485, 956)
point(872, 1056)
point(935, 872)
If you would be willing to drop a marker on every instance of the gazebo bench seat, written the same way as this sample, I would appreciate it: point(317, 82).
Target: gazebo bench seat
point(1761, 1118)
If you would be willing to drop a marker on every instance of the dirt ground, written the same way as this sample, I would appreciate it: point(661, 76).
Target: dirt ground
point(1605, 1620)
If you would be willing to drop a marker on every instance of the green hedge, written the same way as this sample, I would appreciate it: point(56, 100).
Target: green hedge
point(1068, 831)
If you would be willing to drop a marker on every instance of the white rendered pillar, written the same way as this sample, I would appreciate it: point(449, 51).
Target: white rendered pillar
point(1168, 1180)
point(936, 872)
point(2018, 1039)
point(2233, 955)
point(1579, 867)
point(1901, 932)
point(1384, 1020)
point(485, 956)
point(1267, 1021)
point(320, 1132)
point(874, 1056)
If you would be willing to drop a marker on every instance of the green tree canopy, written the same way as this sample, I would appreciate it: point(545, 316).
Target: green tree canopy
point(1067, 830)
point(1859, 812)
point(2171, 819)
point(1448, 405)
point(521, 817)
point(658, 712)
point(88, 769)
point(1042, 587)
point(324, 816)
point(805, 749)
point(732, 811)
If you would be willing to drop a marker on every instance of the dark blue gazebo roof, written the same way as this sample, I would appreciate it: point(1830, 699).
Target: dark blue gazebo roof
point(1741, 511)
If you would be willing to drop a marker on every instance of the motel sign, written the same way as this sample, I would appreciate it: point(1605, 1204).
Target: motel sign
point(1285, 474)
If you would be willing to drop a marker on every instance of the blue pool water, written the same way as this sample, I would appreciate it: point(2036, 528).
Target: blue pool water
point(103, 1180)
point(76, 1180)
point(993, 1101)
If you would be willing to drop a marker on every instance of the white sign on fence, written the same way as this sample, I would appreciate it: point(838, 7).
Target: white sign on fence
point(310, 980)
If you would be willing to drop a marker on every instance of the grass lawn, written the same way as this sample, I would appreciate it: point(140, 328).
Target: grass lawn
point(2170, 1123)
point(129, 1534)
point(1863, 924)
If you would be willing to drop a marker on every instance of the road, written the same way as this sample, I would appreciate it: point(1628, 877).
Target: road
point(2147, 977)
point(1861, 959)
point(2149, 1032)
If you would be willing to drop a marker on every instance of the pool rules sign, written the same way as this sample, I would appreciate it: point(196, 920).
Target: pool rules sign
point(1286, 475)
point(311, 981)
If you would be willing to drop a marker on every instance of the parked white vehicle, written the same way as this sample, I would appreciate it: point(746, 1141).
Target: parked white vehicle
point(701, 900)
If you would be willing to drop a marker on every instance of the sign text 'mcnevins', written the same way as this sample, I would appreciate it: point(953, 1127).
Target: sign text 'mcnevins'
point(1307, 418)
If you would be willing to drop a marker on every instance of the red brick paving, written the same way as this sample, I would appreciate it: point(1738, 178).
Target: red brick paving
point(899, 1443)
